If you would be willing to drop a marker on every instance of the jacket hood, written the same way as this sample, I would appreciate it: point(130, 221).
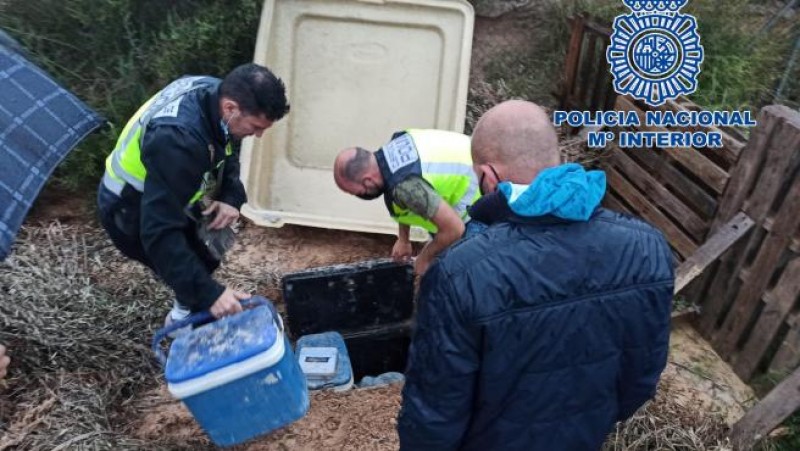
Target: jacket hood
point(567, 191)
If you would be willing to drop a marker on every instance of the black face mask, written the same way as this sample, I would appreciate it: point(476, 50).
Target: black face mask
point(483, 176)
point(370, 196)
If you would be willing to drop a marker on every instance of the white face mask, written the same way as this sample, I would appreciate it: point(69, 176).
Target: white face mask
point(225, 130)
point(224, 124)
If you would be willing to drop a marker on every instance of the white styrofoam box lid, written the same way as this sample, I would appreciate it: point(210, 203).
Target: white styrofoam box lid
point(318, 361)
point(356, 72)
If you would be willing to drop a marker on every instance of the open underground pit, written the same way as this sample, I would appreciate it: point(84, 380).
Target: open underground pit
point(379, 351)
point(371, 304)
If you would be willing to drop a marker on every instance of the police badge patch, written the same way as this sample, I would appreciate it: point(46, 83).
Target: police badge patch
point(655, 53)
point(400, 152)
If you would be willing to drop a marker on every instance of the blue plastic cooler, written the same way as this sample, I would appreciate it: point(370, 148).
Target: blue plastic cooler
point(238, 376)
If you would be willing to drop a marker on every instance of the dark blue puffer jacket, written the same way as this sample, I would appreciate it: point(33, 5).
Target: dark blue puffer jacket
point(538, 334)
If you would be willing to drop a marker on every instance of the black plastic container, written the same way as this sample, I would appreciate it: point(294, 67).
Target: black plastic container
point(348, 298)
point(369, 303)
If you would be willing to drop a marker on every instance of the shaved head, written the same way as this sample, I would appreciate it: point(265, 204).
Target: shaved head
point(356, 172)
point(518, 137)
point(355, 162)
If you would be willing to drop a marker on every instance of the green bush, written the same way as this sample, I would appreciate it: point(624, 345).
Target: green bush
point(114, 54)
point(741, 67)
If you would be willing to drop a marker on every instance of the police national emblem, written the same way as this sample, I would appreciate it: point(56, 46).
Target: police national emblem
point(655, 53)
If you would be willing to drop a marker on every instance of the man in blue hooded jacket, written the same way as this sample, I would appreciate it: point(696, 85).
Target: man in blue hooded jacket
point(545, 329)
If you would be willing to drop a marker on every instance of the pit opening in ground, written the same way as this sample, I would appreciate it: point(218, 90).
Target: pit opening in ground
point(378, 352)
point(371, 304)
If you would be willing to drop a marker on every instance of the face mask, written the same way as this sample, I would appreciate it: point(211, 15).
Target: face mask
point(225, 129)
point(370, 196)
point(225, 125)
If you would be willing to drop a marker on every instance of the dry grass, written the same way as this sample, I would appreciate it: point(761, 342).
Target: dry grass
point(483, 96)
point(67, 411)
point(666, 424)
point(65, 309)
point(77, 317)
point(574, 149)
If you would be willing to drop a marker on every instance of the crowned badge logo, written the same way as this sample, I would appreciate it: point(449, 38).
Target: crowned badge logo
point(655, 53)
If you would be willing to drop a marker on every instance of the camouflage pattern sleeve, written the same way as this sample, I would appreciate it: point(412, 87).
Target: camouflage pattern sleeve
point(417, 195)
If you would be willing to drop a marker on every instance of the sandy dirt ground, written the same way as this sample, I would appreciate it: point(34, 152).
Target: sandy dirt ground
point(707, 382)
point(262, 256)
point(362, 419)
point(696, 379)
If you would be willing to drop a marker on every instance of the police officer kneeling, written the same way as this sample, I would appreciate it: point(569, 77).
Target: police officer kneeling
point(171, 187)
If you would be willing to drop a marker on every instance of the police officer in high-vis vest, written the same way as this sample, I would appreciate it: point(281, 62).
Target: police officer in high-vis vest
point(171, 186)
point(426, 180)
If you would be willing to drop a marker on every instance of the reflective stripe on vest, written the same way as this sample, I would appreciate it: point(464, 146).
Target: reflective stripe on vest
point(446, 165)
point(124, 164)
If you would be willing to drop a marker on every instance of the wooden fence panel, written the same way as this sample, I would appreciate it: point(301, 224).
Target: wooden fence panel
point(761, 272)
point(683, 187)
point(746, 177)
point(572, 63)
point(647, 210)
point(695, 162)
point(693, 223)
point(787, 357)
point(588, 71)
point(675, 189)
point(767, 414)
point(744, 174)
point(778, 304)
point(587, 80)
point(780, 149)
point(756, 288)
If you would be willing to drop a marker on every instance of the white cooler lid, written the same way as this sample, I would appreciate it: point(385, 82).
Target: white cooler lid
point(356, 72)
point(232, 372)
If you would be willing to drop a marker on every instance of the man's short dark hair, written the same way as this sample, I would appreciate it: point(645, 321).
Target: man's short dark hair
point(257, 91)
point(355, 168)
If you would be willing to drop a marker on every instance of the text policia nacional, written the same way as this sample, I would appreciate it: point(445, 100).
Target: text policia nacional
point(655, 119)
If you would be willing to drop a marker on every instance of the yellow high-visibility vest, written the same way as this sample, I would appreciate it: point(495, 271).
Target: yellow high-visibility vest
point(124, 164)
point(446, 164)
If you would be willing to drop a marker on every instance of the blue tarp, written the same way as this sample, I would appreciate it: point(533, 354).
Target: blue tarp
point(40, 123)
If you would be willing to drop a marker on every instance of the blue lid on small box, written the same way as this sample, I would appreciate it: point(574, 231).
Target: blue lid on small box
point(222, 343)
point(318, 361)
point(324, 361)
